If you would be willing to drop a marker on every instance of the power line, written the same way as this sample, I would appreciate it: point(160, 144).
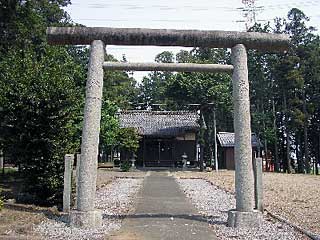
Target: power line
point(310, 3)
point(249, 12)
point(109, 20)
point(158, 7)
point(143, 20)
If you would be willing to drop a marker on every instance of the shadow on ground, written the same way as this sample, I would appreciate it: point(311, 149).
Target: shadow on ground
point(192, 217)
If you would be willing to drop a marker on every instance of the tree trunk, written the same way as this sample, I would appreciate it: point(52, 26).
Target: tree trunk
point(111, 152)
point(265, 142)
point(317, 162)
point(305, 131)
point(276, 151)
point(289, 167)
point(298, 153)
point(283, 153)
point(288, 157)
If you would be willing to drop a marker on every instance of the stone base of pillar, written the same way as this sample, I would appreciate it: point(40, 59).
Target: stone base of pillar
point(89, 219)
point(237, 219)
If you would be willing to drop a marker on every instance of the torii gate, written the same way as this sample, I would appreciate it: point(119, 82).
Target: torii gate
point(244, 215)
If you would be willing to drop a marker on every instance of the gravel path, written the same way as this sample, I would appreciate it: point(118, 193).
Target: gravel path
point(294, 197)
point(215, 203)
point(106, 176)
point(115, 200)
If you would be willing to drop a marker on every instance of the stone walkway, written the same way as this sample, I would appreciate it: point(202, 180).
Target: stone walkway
point(163, 212)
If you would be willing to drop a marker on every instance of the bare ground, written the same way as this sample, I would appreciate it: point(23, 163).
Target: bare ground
point(295, 197)
point(17, 221)
point(105, 176)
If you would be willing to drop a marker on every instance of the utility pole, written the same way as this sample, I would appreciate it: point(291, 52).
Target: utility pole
point(249, 12)
point(201, 136)
point(215, 139)
point(202, 123)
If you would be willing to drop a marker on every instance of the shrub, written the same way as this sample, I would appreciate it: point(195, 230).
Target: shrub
point(125, 166)
point(40, 104)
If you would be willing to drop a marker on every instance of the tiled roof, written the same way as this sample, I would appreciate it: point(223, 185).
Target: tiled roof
point(226, 139)
point(160, 123)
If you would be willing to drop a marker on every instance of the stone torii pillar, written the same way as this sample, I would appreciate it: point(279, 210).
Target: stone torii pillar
point(86, 215)
point(243, 215)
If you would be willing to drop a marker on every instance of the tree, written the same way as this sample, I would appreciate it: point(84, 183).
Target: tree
point(109, 127)
point(312, 70)
point(119, 92)
point(40, 116)
point(153, 87)
point(294, 87)
point(211, 92)
point(18, 17)
point(119, 87)
point(280, 84)
point(41, 94)
point(128, 139)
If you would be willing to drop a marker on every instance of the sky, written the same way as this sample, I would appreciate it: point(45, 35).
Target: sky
point(178, 14)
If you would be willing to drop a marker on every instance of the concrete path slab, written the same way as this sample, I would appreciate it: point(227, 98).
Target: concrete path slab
point(163, 212)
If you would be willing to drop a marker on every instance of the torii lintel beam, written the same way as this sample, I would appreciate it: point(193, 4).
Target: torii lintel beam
point(172, 67)
point(167, 37)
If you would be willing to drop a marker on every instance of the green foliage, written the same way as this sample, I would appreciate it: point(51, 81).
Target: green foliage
point(128, 139)
point(119, 87)
point(153, 87)
point(19, 17)
point(109, 126)
point(282, 91)
point(41, 109)
point(165, 57)
point(118, 93)
point(41, 94)
point(211, 92)
point(125, 166)
point(200, 88)
point(207, 91)
point(128, 144)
